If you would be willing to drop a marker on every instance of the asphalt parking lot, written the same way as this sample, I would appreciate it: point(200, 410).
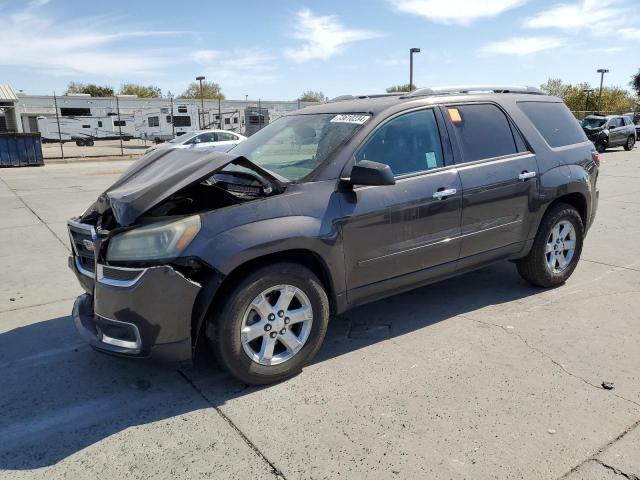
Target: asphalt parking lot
point(480, 376)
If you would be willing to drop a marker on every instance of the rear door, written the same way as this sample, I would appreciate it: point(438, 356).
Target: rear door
point(226, 140)
point(499, 178)
point(393, 231)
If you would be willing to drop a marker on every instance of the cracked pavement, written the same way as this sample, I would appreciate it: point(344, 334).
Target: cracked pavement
point(480, 376)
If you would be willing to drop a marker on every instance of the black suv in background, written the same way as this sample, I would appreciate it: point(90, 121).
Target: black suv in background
point(325, 209)
point(608, 131)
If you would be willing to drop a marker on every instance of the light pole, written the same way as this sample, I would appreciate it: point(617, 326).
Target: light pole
point(244, 117)
point(119, 126)
point(173, 126)
point(601, 71)
point(411, 52)
point(201, 121)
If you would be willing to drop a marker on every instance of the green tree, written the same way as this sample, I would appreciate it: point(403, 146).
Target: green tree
point(582, 96)
point(91, 89)
point(210, 90)
point(635, 82)
point(141, 91)
point(555, 87)
point(400, 88)
point(311, 96)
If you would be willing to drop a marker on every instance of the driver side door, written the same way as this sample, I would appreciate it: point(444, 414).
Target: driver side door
point(396, 236)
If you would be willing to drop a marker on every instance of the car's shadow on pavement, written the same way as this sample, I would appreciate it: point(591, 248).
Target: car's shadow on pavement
point(58, 397)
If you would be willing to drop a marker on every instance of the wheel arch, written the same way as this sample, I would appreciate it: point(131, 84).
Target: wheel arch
point(577, 200)
point(301, 256)
point(219, 287)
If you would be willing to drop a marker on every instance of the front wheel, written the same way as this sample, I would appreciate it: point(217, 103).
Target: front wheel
point(556, 248)
point(601, 146)
point(272, 324)
point(631, 141)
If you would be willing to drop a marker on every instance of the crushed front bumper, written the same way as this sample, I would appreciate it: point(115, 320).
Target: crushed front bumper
point(136, 312)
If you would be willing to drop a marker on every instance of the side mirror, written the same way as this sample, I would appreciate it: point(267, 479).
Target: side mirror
point(367, 172)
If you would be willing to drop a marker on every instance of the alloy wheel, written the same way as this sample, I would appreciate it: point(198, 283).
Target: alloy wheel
point(276, 325)
point(561, 246)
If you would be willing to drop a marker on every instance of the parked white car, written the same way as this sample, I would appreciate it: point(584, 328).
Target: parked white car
point(210, 140)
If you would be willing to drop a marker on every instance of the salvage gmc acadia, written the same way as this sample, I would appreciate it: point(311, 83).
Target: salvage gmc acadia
point(327, 208)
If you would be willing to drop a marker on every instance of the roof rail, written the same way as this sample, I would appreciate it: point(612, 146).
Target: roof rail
point(474, 89)
point(342, 98)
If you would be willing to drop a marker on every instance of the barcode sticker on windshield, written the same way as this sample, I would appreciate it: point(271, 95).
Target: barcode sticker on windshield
point(344, 118)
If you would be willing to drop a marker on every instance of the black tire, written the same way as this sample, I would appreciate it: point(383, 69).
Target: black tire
point(80, 142)
point(631, 141)
point(89, 142)
point(226, 341)
point(601, 147)
point(533, 268)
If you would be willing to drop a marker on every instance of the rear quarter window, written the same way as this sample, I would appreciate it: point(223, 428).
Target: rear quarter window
point(555, 122)
point(483, 131)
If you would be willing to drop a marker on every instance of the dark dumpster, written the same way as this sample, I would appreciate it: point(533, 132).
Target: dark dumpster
point(20, 150)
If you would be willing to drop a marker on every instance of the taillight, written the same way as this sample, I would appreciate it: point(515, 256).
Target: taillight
point(596, 157)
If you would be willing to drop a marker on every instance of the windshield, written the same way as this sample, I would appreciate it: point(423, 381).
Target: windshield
point(593, 122)
point(183, 138)
point(294, 146)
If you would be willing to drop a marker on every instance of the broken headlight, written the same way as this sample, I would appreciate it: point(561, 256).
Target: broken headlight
point(157, 241)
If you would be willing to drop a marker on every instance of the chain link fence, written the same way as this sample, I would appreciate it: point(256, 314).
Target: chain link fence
point(79, 125)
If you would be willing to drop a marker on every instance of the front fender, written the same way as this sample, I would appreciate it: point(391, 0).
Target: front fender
point(236, 246)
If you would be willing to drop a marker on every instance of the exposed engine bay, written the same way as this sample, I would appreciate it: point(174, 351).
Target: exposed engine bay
point(220, 190)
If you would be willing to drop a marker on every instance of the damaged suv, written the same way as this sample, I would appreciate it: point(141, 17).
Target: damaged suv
point(325, 209)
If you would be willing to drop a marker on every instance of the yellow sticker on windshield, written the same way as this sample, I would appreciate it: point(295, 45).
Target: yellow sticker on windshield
point(454, 115)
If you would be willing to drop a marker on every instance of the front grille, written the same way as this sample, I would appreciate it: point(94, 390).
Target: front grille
point(82, 243)
point(121, 274)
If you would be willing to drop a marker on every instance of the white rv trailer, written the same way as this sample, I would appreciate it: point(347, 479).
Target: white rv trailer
point(85, 130)
point(156, 123)
point(159, 125)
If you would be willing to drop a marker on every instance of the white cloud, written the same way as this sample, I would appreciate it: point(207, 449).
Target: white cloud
point(322, 37)
point(205, 56)
point(587, 14)
point(239, 67)
point(30, 38)
point(630, 33)
point(461, 12)
point(522, 45)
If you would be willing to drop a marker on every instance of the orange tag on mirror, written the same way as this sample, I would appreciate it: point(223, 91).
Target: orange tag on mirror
point(454, 115)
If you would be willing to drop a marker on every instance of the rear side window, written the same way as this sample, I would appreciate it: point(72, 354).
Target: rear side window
point(226, 137)
point(555, 123)
point(483, 131)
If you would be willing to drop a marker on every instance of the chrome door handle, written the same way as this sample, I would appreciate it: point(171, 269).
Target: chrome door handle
point(526, 176)
point(440, 194)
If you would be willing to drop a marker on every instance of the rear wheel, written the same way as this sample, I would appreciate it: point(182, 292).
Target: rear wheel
point(89, 142)
point(272, 324)
point(556, 248)
point(80, 142)
point(631, 141)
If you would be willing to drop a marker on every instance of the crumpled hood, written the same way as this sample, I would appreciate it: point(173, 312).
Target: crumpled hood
point(160, 174)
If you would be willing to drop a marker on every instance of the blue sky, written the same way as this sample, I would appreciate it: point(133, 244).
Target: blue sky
point(277, 49)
